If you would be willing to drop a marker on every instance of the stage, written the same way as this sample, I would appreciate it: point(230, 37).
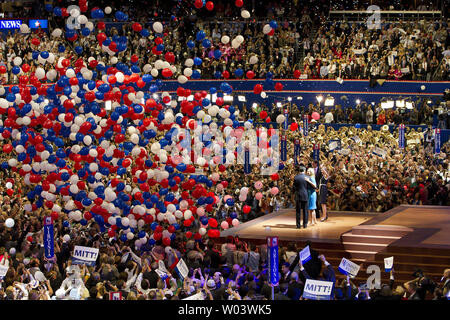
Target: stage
point(417, 237)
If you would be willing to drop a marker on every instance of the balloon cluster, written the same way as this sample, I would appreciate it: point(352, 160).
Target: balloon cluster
point(97, 145)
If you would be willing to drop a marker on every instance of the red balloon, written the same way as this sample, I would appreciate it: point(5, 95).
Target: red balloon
point(137, 27)
point(198, 4)
point(35, 41)
point(250, 74)
point(167, 72)
point(226, 74)
point(210, 5)
point(247, 209)
point(257, 89)
point(212, 223)
point(188, 234)
point(239, 3)
point(10, 192)
point(166, 241)
point(294, 126)
point(2, 69)
point(263, 114)
point(297, 74)
point(7, 148)
point(278, 86)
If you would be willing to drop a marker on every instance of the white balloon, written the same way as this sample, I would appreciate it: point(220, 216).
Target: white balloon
point(57, 33)
point(158, 27)
point(253, 59)
point(66, 238)
point(187, 72)
point(280, 118)
point(240, 39)
point(9, 223)
point(182, 79)
point(108, 10)
point(225, 39)
point(189, 62)
point(235, 44)
point(267, 28)
point(154, 73)
point(24, 28)
point(235, 222)
point(82, 19)
point(17, 61)
point(245, 14)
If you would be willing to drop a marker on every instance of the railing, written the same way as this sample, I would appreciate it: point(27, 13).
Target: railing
point(385, 15)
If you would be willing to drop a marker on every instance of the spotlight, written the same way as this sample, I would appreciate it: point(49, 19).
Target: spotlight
point(358, 101)
point(289, 99)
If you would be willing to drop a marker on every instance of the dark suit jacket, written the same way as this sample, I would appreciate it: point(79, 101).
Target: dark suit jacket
point(301, 187)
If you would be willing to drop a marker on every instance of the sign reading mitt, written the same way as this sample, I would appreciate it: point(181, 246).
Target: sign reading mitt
point(317, 289)
point(348, 267)
point(84, 255)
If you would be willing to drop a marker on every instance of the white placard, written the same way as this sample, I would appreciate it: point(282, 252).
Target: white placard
point(317, 290)
point(84, 255)
point(197, 296)
point(305, 254)
point(388, 263)
point(348, 267)
point(182, 268)
point(3, 271)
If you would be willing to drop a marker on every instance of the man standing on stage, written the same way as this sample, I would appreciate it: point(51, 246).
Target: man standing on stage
point(301, 193)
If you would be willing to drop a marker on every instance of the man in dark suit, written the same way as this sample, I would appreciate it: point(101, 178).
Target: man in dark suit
point(301, 193)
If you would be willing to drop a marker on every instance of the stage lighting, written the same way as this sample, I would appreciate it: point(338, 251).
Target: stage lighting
point(279, 105)
point(373, 103)
point(358, 101)
point(289, 99)
point(242, 99)
point(299, 98)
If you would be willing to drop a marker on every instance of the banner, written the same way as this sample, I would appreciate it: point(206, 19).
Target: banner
point(286, 119)
point(437, 140)
point(316, 152)
point(182, 269)
point(272, 246)
point(10, 24)
point(84, 255)
point(334, 144)
point(348, 267)
point(317, 290)
point(115, 295)
point(197, 296)
point(283, 148)
point(247, 166)
point(305, 255)
point(296, 151)
point(36, 24)
point(305, 125)
point(379, 152)
point(3, 271)
point(401, 136)
point(49, 245)
point(388, 264)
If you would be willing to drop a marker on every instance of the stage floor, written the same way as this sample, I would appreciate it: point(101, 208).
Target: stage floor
point(431, 226)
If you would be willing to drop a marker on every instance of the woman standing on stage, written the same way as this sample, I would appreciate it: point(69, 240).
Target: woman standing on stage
point(323, 192)
point(312, 196)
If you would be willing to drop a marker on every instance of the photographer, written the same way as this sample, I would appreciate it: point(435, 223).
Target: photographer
point(419, 287)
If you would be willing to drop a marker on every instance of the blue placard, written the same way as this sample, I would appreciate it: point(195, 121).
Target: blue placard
point(247, 167)
point(305, 125)
point(10, 24)
point(296, 151)
point(316, 152)
point(437, 140)
point(272, 245)
point(286, 119)
point(401, 136)
point(36, 24)
point(283, 148)
point(49, 246)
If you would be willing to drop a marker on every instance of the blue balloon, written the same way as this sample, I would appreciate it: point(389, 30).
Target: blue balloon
point(206, 43)
point(197, 61)
point(79, 49)
point(239, 72)
point(191, 44)
point(196, 74)
point(217, 54)
point(273, 24)
point(201, 35)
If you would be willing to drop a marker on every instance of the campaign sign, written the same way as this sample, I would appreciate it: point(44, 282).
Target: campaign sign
point(348, 267)
point(181, 269)
point(115, 295)
point(3, 271)
point(317, 289)
point(296, 151)
point(334, 145)
point(305, 255)
point(283, 148)
point(197, 296)
point(163, 275)
point(247, 167)
point(49, 245)
point(437, 141)
point(286, 119)
point(401, 136)
point(272, 246)
point(10, 24)
point(388, 263)
point(316, 152)
point(84, 255)
point(379, 152)
point(305, 125)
